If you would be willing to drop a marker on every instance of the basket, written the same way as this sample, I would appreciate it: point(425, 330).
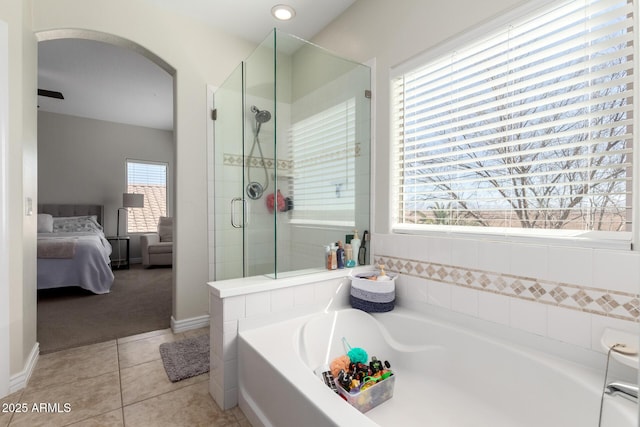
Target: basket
point(372, 296)
point(371, 397)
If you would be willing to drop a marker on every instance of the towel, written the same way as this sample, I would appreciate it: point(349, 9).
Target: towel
point(56, 248)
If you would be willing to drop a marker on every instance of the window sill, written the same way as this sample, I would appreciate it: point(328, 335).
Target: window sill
point(569, 238)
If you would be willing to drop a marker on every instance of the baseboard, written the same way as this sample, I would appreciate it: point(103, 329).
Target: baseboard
point(187, 324)
point(135, 260)
point(20, 380)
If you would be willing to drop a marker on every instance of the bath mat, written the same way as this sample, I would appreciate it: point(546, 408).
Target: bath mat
point(185, 358)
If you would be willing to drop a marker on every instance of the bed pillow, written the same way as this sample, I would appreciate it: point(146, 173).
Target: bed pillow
point(165, 229)
point(71, 224)
point(45, 223)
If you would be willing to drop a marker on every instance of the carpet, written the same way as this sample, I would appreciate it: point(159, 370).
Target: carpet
point(185, 358)
point(139, 301)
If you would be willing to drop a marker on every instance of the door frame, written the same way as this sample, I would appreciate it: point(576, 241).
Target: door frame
point(5, 353)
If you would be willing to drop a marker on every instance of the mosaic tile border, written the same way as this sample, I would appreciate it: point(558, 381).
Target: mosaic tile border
point(254, 162)
point(603, 302)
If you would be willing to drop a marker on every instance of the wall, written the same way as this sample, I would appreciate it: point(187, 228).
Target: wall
point(566, 293)
point(21, 161)
point(83, 160)
point(200, 55)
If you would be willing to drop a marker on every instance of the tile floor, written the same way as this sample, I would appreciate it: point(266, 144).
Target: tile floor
point(116, 383)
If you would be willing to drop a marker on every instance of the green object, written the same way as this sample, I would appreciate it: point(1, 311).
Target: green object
point(347, 238)
point(356, 355)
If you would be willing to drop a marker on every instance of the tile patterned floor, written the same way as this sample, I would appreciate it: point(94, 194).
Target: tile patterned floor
point(116, 383)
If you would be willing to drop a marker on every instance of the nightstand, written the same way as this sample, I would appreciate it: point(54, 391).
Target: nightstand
point(119, 254)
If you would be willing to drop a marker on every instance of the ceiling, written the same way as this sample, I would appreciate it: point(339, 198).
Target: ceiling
point(107, 82)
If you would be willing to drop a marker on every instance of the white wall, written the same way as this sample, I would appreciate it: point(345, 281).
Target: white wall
point(200, 55)
point(83, 160)
point(498, 281)
point(21, 161)
point(4, 276)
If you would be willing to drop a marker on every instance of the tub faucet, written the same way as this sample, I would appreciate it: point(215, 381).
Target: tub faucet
point(626, 390)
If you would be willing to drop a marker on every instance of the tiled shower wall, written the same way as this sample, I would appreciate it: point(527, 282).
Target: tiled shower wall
point(564, 293)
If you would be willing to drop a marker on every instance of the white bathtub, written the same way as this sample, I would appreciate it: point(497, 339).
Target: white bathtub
point(445, 376)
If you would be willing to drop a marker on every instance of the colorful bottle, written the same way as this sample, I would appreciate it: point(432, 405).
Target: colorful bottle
point(340, 255)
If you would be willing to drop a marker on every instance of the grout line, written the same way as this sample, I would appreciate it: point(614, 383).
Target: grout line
point(120, 383)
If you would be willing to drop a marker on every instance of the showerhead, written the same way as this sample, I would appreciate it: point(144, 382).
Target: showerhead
point(262, 116)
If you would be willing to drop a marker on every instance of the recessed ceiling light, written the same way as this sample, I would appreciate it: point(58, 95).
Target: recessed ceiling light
point(282, 12)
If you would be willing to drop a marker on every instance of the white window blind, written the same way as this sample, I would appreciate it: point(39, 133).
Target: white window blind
point(323, 148)
point(528, 128)
point(150, 179)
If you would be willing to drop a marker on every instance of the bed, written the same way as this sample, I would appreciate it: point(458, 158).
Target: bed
point(72, 248)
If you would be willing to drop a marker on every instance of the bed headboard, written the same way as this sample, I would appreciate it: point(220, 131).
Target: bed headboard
point(72, 210)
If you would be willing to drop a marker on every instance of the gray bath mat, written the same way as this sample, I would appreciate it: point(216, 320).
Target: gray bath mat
point(185, 358)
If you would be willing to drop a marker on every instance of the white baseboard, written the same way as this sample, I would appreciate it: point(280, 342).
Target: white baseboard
point(178, 326)
point(20, 380)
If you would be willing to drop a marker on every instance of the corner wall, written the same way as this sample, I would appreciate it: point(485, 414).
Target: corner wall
point(21, 160)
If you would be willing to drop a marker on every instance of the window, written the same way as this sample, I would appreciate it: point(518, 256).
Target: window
point(529, 128)
point(323, 148)
point(150, 179)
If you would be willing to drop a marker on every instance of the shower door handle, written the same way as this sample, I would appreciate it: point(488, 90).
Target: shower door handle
point(234, 221)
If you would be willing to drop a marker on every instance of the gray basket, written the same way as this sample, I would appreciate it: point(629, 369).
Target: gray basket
point(372, 296)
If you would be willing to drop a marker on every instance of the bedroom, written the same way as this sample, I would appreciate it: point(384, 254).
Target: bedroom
point(111, 134)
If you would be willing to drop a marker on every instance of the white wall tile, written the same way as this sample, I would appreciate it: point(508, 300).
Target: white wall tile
point(529, 260)
point(258, 303)
point(571, 265)
point(415, 288)
point(281, 300)
point(494, 256)
point(570, 326)
point(439, 294)
point(464, 253)
point(528, 316)
point(464, 300)
point(616, 270)
point(440, 250)
point(233, 308)
point(493, 307)
point(303, 295)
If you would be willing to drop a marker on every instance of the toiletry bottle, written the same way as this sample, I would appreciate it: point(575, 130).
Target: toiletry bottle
point(327, 257)
point(355, 244)
point(348, 254)
point(340, 254)
point(334, 257)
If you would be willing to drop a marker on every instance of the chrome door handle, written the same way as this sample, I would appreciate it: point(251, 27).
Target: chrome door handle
point(234, 222)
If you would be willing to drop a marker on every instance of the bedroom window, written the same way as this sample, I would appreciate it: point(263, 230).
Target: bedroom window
point(528, 128)
point(150, 179)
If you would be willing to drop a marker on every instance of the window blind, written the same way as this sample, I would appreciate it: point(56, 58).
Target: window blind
point(149, 179)
point(323, 149)
point(529, 128)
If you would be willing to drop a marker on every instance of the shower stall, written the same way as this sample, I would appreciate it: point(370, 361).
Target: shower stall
point(291, 166)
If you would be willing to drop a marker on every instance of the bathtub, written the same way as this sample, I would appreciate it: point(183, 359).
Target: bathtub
point(446, 375)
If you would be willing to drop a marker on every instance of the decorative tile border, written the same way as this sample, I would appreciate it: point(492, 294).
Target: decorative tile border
point(287, 165)
point(604, 302)
point(254, 162)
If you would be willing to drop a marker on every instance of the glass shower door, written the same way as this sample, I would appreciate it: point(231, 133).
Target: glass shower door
point(228, 178)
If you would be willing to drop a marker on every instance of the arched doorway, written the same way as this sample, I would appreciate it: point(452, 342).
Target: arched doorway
point(102, 163)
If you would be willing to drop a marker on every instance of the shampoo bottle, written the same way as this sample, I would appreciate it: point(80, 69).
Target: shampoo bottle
point(340, 255)
point(334, 257)
point(355, 244)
